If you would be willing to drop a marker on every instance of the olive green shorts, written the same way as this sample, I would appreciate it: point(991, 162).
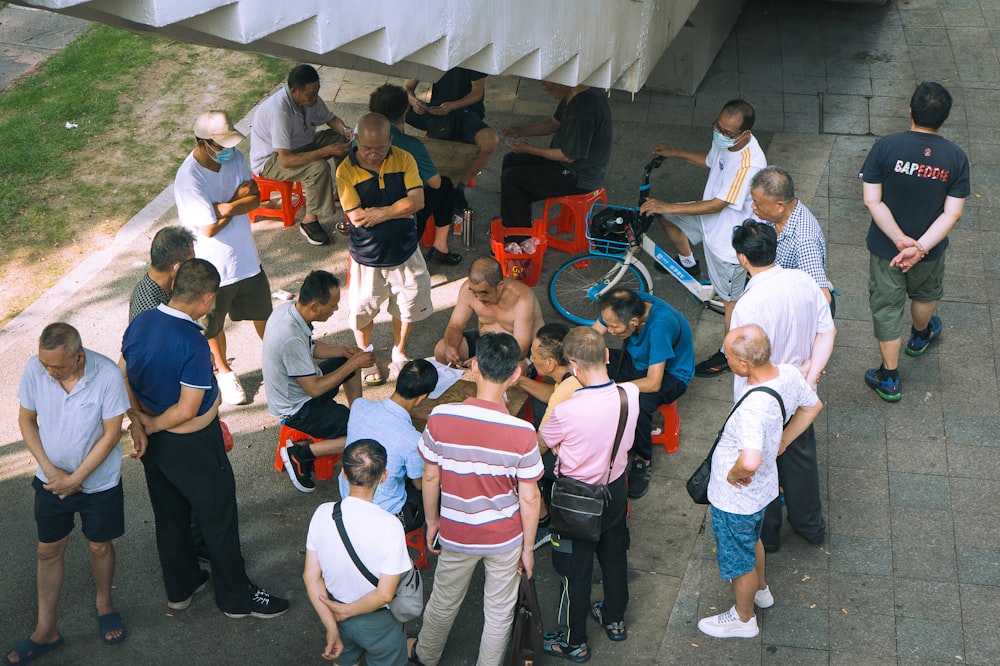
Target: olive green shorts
point(888, 288)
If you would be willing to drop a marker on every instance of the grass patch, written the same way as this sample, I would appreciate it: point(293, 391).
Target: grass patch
point(56, 182)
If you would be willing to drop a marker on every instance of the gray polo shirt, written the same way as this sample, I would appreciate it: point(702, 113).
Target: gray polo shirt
point(288, 353)
point(69, 424)
point(278, 124)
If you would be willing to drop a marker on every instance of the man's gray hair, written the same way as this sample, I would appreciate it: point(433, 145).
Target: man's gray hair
point(750, 343)
point(775, 182)
point(171, 245)
point(61, 334)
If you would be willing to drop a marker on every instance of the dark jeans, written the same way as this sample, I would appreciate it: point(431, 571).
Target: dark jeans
point(528, 178)
point(671, 389)
point(798, 475)
point(192, 472)
point(577, 569)
point(440, 203)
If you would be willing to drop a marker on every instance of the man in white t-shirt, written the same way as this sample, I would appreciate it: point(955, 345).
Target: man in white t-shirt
point(788, 304)
point(356, 614)
point(732, 161)
point(745, 473)
point(214, 192)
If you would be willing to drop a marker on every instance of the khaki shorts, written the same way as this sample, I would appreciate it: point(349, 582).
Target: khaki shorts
point(728, 279)
point(888, 288)
point(407, 288)
point(246, 299)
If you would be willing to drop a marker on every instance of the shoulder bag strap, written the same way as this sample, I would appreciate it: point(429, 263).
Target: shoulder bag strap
point(763, 389)
point(622, 418)
point(338, 518)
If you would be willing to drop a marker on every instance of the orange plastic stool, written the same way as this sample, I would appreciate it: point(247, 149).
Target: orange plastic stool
point(524, 267)
point(670, 437)
point(324, 464)
point(417, 540)
point(428, 237)
point(291, 199)
point(568, 215)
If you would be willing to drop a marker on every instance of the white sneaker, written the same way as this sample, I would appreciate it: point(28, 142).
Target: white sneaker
point(231, 389)
point(763, 598)
point(728, 625)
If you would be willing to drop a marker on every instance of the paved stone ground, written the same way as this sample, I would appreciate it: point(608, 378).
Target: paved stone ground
point(911, 568)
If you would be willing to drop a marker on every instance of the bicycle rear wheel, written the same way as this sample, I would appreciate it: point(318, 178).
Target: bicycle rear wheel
point(576, 284)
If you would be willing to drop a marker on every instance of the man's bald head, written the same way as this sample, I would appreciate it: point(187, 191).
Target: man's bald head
point(750, 344)
point(373, 129)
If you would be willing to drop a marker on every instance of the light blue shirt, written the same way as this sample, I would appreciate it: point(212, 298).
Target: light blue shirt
point(390, 425)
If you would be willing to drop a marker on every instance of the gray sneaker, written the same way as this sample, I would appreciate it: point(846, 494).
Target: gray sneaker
point(640, 473)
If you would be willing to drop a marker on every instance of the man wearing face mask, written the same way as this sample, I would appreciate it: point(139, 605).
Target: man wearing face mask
point(214, 192)
point(732, 161)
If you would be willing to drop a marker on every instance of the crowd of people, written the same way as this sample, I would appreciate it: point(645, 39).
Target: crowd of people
point(477, 478)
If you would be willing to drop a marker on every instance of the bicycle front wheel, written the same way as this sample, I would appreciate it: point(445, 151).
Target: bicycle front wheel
point(577, 284)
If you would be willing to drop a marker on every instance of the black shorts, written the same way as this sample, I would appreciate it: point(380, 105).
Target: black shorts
point(471, 338)
point(323, 417)
point(461, 125)
point(102, 514)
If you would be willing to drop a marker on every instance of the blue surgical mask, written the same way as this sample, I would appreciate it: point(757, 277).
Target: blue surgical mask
point(720, 141)
point(224, 156)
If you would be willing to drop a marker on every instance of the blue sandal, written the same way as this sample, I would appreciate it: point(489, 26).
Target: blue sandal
point(108, 623)
point(558, 648)
point(28, 650)
point(616, 631)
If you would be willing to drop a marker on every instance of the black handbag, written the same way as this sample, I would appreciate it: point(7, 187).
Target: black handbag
point(408, 602)
point(577, 508)
point(697, 484)
point(526, 638)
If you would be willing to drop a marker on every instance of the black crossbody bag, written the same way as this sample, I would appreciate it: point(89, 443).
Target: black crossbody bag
point(577, 508)
point(697, 484)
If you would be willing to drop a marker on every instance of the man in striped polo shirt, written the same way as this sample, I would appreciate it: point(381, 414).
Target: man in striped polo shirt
point(483, 465)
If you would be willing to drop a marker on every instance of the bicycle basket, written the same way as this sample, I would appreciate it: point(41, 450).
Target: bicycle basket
point(611, 229)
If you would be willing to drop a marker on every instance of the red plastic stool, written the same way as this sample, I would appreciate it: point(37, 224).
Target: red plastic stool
point(569, 216)
point(670, 436)
point(417, 540)
point(291, 199)
point(428, 237)
point(324, 464)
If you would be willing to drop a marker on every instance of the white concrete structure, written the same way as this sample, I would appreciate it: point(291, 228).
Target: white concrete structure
point(603, 43)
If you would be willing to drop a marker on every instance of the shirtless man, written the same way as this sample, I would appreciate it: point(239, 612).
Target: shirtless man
point(502, 306)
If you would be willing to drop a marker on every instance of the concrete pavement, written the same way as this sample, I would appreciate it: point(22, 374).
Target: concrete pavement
point(911, 569)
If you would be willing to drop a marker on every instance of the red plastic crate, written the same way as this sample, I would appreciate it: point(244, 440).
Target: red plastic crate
point(524, 267)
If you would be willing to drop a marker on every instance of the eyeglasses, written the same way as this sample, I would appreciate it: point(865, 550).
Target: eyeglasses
point(374, 150)
point(724, 132)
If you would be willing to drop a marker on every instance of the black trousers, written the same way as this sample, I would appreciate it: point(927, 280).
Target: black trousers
point(577, 569)
point(192, 471)
point(622, 369)
point(798, 475)
point(525, 179)
point(440, 203)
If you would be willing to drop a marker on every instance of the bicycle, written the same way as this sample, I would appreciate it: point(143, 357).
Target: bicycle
point(618, 239)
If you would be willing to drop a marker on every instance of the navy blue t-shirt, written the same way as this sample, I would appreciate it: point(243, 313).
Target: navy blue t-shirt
point(164, 350)
point(917, 170)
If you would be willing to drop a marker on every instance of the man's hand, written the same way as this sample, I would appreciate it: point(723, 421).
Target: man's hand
point(140, 438)
point(350, 350)
point(512, 132)
point(334, 646)
point(339, 149)
point(518, 146)
point(432, 531)
point(367, 217)
point(528, 559)
point(907, 258)
point(442, 109)
point(245, 189)
point(361, 359)
point(451, 355)
point(665, 150)
point(418, 105)
point(654, 207)
point(338, 609)
point(63, 484)
point(738, 481)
